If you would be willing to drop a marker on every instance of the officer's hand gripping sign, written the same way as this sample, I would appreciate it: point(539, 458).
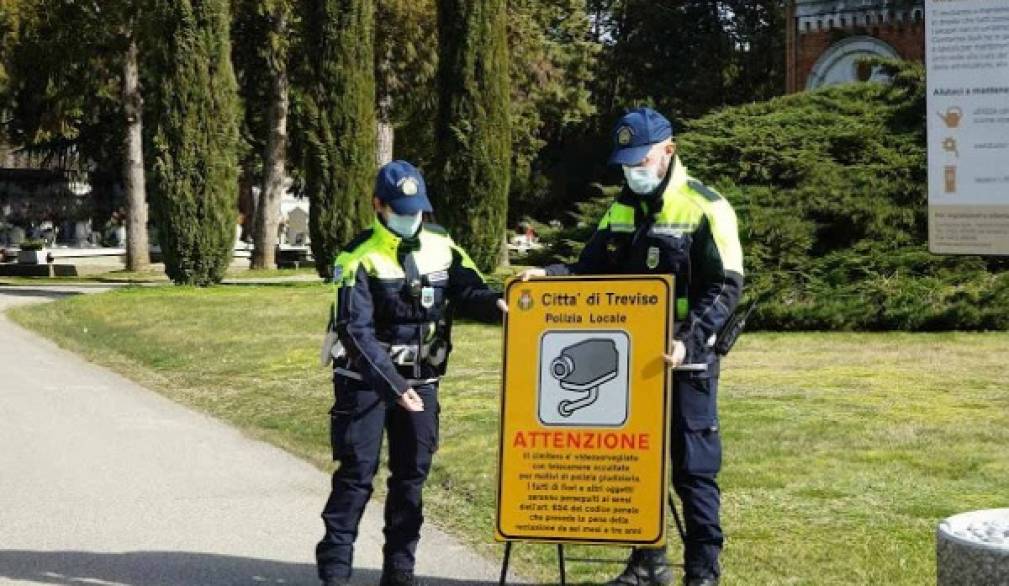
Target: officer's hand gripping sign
point(583, 453)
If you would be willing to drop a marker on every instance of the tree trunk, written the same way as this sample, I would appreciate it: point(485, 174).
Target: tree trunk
point(504, 258)
point(386, 141)
point(274, 164)
point(247, 204)
point(386, 133)
point(137, 252)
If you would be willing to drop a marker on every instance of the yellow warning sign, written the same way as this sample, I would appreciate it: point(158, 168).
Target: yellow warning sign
point(583, 454)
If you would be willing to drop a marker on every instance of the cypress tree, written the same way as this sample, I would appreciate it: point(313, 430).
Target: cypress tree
point(473, 161)
point(261, 52)
point(194, 180)
point(339, 123)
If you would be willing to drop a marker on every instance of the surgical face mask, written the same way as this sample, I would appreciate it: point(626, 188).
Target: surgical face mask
point(645, 179)
point(404, 225)
point(642, 180)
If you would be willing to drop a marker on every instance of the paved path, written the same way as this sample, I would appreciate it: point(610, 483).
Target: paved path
point(105, 482)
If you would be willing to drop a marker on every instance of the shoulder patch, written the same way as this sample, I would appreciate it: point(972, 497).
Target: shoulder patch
point(703, 190)
point(436, 229)
point(345, 269)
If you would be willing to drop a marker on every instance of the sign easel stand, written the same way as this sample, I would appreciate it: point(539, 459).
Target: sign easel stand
point(507, 557)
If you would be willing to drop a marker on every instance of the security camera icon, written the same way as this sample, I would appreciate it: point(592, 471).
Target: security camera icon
point(583, 368)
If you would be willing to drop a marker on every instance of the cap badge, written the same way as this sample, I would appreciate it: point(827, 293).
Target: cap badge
point(409, 186)
point(624, 136)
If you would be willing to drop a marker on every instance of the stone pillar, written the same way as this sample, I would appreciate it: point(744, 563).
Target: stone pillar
point(973, 549)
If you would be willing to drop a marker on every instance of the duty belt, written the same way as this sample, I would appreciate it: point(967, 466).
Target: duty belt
point(433, 353)
point(357, 376)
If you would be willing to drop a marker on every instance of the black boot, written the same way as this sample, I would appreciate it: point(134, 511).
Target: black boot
point(336, 582)
point(397, 578)
point(710, 581)
point(645, 567)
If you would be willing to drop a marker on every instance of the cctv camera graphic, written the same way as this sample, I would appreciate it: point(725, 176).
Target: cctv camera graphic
point(583, 368)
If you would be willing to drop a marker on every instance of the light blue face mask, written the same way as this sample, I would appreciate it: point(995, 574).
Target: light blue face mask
point(641, 180)
point(404, 225)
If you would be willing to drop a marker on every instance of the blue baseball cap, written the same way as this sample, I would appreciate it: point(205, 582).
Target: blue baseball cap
point(401, 185)
point(635, 133)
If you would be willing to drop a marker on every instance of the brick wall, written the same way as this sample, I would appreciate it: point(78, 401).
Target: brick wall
point(907, 37)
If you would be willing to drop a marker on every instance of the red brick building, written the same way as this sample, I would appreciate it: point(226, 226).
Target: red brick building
point(827, 38)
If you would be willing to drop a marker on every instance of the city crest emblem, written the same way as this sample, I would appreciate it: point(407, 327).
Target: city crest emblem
point(427, 297)
point(409, 186)
point(526, 300)
point(624, 136)
point(653, 257)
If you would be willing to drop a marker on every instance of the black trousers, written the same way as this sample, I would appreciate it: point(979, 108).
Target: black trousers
point(697, 458)
point(359, 419)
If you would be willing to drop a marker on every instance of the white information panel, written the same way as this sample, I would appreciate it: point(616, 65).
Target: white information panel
point(967, 60)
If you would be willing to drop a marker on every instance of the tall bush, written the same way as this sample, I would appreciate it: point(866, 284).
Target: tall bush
point(831, 192)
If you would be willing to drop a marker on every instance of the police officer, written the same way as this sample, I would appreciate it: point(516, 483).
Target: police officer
point(666, 222)
point(398, 285)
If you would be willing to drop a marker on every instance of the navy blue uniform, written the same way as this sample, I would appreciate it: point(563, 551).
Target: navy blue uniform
point(395, 302)
point(687, 230)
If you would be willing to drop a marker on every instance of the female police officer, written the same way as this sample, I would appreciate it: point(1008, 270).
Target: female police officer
point(669, 223)
point(398, 285)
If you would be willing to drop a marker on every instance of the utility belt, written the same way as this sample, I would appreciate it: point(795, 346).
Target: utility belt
point(432, 353)
point(353, 374)
point(409, 360)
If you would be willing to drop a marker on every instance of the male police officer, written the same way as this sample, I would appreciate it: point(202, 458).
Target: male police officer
point(398, 285)
point(666, 222)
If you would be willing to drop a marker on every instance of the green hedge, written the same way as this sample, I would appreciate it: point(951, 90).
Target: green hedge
point(831, 191)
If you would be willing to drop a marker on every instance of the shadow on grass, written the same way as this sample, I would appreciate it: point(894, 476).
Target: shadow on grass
point(169, 568)
point(271, 283)
point(115, 281)
point(22, 291)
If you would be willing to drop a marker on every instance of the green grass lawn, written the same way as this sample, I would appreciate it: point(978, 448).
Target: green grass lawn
point(842, 450)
